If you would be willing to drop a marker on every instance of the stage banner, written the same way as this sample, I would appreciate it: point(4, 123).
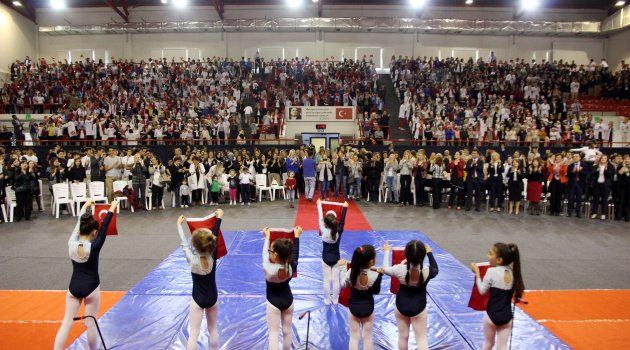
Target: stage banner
point(320, 113)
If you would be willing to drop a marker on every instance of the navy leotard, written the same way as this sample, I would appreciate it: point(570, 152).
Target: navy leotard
point(278, 291)
point(330, 249)
point(85, 278)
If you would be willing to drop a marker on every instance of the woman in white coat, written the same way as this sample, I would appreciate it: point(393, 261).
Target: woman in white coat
point(196, 180)
point(324, 175)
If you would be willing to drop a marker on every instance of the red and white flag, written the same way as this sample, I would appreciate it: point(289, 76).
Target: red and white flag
point(208, 222)
point(477, 301)
point(99, 212)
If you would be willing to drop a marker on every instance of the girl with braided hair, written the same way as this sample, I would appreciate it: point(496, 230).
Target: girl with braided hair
point(411, 299)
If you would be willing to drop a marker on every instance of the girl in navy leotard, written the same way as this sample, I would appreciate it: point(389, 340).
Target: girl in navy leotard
point(504, 281)
point(331, 229)
point(203, 264)
point(279, 261)
point(84, 247)
point(365, 283)
point(411, 299)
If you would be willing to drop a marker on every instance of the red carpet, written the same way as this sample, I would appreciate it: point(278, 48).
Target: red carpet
point(307, 216)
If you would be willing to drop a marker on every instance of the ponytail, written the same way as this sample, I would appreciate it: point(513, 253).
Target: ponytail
point(360, 260)
point(414, 253)
point(331, 222)
point(511, 256)
point(519, 286)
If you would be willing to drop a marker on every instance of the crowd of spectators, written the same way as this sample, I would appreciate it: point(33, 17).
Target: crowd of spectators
point(457, 178)
point(515, 101)
point(212, 101)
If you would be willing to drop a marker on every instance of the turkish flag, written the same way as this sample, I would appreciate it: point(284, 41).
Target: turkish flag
point(343, 113)
point(99, 212)
point(477, 301)
point(208, 222)
point(398, 255)
point(334, 206)
point(344, 293)
point(275, 233)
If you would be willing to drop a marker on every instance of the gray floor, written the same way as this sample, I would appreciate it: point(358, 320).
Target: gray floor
point(557, 252)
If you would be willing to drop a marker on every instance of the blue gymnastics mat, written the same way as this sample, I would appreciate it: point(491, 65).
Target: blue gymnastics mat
point(154, 313)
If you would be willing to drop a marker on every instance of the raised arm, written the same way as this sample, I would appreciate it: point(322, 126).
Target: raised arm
point(265, 252)
point(297, 231)
point(217, 223)
point(433, 266)
point(184, 242)
point(342, 221)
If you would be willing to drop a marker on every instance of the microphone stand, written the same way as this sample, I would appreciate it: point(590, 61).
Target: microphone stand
point(308, 325)
point(97, 327)
point(516, 301)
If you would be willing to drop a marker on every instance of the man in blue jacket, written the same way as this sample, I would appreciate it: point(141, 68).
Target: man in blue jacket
point(308, 168)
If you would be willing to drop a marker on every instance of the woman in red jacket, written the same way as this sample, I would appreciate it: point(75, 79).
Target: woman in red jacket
point(557, 169)
point(456, 168)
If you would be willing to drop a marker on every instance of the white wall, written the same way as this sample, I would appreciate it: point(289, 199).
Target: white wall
point(618, 49)
point(237, 44)
point(19, 38)
point(48, 17)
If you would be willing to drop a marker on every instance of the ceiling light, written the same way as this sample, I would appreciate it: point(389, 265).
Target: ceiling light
point(293, 3)
point(417, 3)
point(469, 2)
point(164, 1)
point(58, 4)
point(528, 5)
point(180, 3)
point(17, 3)
point(315, 1)
point(620, 3)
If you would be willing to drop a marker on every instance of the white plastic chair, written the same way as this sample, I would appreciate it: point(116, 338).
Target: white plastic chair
point(10, 203)
point(261, 185)
point(120, 186)
point(61, 195)
point(148, 198)
point(97, 192)
point(79, 194)
point(276, 187)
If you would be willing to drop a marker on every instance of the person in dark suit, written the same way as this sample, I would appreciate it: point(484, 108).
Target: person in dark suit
point(602, 177)
point(577, 173)
point(474, 177)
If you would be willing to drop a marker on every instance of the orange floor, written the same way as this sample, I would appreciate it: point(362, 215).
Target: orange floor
point(584, 319)
point(30, 319)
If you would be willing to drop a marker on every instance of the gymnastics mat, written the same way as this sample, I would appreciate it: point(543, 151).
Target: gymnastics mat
point(154, 313)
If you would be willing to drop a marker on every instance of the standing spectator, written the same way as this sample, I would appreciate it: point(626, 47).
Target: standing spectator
point(324, 175)
point(139, 180)
point(196, 180)
point(76, 173)
point(156, 169)
point(23, 186)
point(18, 128)
point(177, 171)
point(112, 165)
point(474, 170)
point(308, 167)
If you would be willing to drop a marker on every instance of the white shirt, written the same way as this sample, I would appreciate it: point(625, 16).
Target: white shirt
point(193, 258)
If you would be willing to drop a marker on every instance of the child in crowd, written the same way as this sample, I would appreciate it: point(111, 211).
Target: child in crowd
point(214, 190)
point(184, 192)
point(244, 180)
point(233, 185)
point(504, 281)
point(290, 185)
point(365, 284)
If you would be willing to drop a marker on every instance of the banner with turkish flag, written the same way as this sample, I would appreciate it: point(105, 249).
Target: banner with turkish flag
point(275, 233)
point(398, 255)
point(337, 207)
point(208, 222)
point(100, 211)
point(477, 301)
point(343, 113)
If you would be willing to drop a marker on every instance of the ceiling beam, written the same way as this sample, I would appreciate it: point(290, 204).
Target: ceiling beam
point(124, 15)
point(26, 10)
point(218, 5)
point(320, 8)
